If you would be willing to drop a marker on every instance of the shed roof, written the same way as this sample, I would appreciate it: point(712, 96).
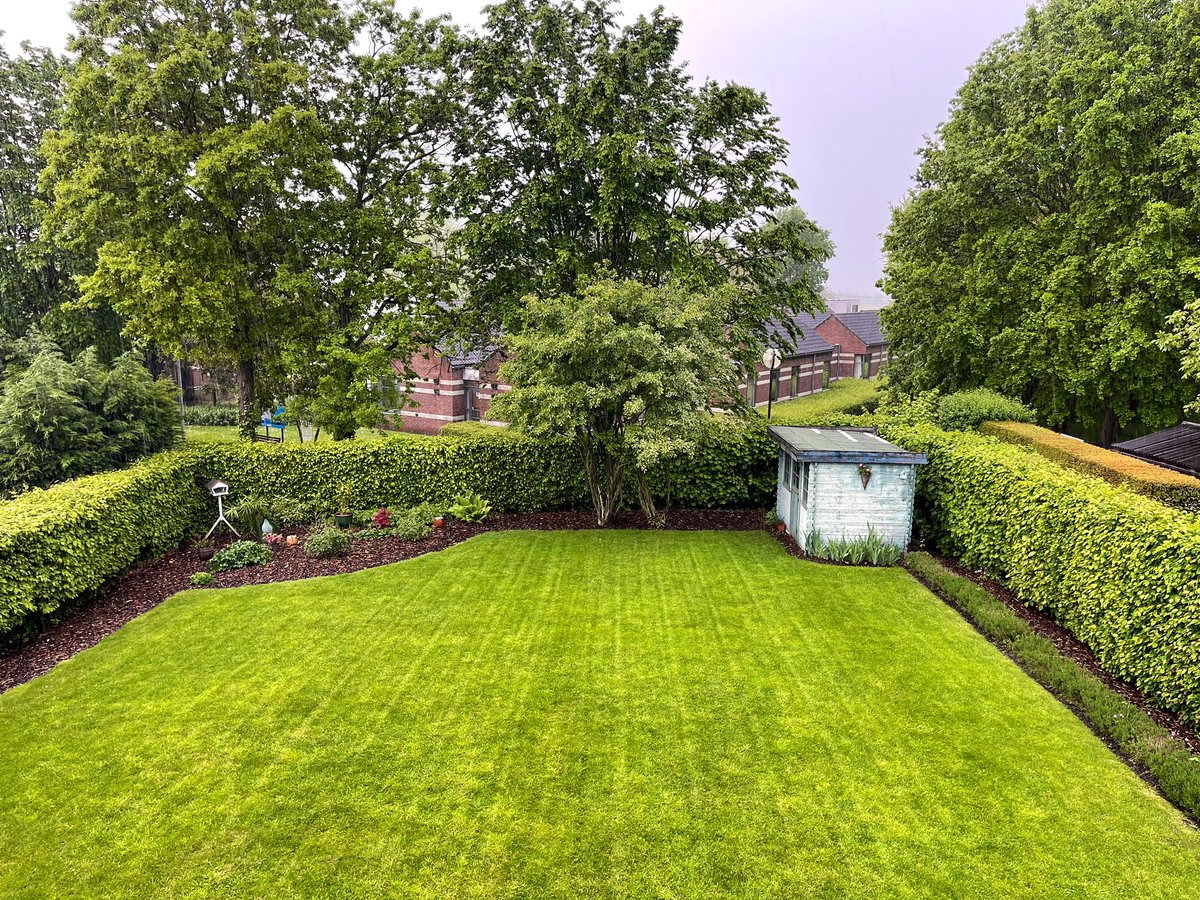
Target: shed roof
point(1176, 448)
point(851, 445)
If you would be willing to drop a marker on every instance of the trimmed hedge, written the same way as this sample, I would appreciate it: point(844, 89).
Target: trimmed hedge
point(1165, 486)
point(1118, 570)
point(734, 466)
point(210, 415)
point(60, 544)
point(1139, 737)
point(848, 395)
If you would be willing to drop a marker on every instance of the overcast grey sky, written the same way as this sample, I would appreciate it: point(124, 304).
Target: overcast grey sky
point(856, 84)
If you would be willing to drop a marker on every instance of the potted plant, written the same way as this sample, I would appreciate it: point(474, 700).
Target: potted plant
point(439, 521)
point(206, 549)
point(345, 515)
point(774, 521)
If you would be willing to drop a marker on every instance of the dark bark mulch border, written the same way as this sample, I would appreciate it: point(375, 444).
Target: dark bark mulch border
point(146, 586)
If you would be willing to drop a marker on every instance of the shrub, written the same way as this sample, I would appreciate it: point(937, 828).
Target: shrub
point(1165, 486)
point(239, 555)
point(968, 410)
point(1137, 735)
point(59, 545)
point(327, 542)
point(1118, 570)
point(210, 415)
point(412, 527)
point(470, 507)
point(382, 519)
point(200, 579)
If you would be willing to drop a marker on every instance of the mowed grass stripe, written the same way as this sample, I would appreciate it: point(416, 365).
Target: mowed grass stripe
point(616, 714)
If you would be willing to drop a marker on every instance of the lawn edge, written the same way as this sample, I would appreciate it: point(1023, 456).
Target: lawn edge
point(1160, 759)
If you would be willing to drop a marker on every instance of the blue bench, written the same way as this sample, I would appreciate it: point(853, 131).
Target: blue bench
point(270, 423)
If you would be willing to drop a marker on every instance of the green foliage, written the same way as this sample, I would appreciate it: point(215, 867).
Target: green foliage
point(470, 507)
point(1054, 226)
point(594, 155)
point(239, 555)
point(327, 542)
point(210, 415)
point(626, 372)
point(201, 579)
point(61, 419)
point(870, 550)
point(1118, 570)
point(967, 410)
point(1138, 737)
point(36, 280)
point(1164, 485)
point(848, 395)
point(59, 545)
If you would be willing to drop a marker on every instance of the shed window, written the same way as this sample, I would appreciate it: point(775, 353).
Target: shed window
point(803, 487)
point(795, 381)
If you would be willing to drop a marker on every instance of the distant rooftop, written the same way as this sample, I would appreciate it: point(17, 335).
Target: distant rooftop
point(807, 324)
point(865, 325)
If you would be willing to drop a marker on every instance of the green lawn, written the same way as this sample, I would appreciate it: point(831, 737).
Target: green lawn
point(592, 714)
point(216, 433)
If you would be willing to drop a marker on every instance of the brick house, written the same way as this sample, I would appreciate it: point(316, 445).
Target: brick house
point(452, 384)
point(860, 342)
point(807, 369)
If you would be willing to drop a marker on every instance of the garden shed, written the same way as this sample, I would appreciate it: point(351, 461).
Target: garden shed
point(844, 483)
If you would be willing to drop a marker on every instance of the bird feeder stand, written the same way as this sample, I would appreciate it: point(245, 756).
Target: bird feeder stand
point(220, 490)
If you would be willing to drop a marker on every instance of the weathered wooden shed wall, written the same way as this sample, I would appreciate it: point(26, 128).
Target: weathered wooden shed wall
point(839, 505)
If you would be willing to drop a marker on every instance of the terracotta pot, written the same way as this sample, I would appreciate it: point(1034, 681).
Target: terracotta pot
point(293, 540)
point(439, 521)
point(780, 527)
point(207, 553)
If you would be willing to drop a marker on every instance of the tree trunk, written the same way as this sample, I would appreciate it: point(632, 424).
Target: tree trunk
point(1108, 425)
point(653, 518)
point(605, 475)
point(248, 414)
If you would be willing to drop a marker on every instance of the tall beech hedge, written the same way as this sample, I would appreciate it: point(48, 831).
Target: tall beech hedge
point(1117, 569)
point(734, 465)
point(61, 543)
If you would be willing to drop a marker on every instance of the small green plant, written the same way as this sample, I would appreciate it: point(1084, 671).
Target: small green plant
point(870, 550)
point(470, 507)
point(327, 542)
point(239, 555)
point(200, 579)
point(345, 497)
point(772, 518)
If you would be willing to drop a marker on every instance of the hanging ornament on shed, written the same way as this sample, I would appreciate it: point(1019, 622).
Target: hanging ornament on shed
point(864, 472)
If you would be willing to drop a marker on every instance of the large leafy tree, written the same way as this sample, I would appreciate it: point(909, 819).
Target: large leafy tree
point(35, 279)
point(593, 154)
point(623, 370)
point(1054, 225)
point(372, 243)
point(190, 151)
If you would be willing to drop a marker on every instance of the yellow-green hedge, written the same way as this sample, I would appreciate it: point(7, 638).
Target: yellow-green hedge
point(734, 466)
point(59, 544)
point(1117, 569)
point(1172, 488)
